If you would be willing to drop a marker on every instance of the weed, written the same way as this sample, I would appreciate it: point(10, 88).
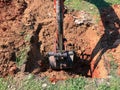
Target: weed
point(113, 68)
point(113, 65)
point(113, 84)
point(27, 38)
point(22, 56)
point(31, 84)
point(3, 84)
point(70, 84)
point(103, 87)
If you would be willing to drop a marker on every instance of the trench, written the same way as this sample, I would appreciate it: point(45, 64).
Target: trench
point(42, 42)
point(90, 42)
point(89, 61)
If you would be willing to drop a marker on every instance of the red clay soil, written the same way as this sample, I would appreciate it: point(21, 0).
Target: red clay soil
point(37, 17)
point(10, 38)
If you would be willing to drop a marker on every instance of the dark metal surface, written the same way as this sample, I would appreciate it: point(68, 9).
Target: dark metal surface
point(60, 54)
point(59, 16)
point(61, 62)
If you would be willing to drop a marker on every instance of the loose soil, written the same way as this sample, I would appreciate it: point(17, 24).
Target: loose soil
point(32, 23)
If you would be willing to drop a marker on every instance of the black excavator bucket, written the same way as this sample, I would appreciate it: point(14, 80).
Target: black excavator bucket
point(61, 60)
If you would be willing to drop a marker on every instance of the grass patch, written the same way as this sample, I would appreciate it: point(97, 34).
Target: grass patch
point(113, 66)
point(22, 56)
point(112, 84)
point(3, 84)
point(27, 38)
point(91, 6)
point(30, 82)
point(88, 5)
point(70, 84)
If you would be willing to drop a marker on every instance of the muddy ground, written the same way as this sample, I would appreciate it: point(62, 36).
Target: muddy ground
point(30, 26)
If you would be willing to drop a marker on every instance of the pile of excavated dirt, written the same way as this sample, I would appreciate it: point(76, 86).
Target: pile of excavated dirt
point(32, 23)
point(10, 38)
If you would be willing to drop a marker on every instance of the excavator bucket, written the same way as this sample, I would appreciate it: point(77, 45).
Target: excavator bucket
point(60, 59)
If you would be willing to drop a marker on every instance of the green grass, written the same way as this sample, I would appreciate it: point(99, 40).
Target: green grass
point(114, 79)
point(113, 68)
point(113, 84)
point(113, 65)
point(22, 56)
point(27, 38)
point(70, 84)
point(30, 82)
point(3, 84)
point(91, 6)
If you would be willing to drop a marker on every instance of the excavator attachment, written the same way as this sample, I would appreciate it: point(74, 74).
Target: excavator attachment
point(60, 59)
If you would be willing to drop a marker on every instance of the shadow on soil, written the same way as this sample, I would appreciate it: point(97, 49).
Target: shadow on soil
point(111, 24)
point(34, 55)
point(82, 65)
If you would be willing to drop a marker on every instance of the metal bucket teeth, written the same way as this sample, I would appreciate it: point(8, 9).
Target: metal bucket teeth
point(61, 60)
point(52, 62)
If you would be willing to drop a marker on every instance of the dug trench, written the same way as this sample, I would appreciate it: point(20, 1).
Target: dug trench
point(83, 35)
point(77, 37)
point(88, 40)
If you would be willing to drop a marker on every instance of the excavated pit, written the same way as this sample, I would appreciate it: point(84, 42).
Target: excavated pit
point(88, 40)
point(77, 39)
point(37, 22)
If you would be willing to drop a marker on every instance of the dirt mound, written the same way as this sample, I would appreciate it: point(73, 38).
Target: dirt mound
point(10, 38)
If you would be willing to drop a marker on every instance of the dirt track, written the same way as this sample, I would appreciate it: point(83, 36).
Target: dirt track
point(36, 19)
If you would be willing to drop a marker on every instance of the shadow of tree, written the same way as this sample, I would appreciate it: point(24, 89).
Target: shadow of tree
point(111, 24)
